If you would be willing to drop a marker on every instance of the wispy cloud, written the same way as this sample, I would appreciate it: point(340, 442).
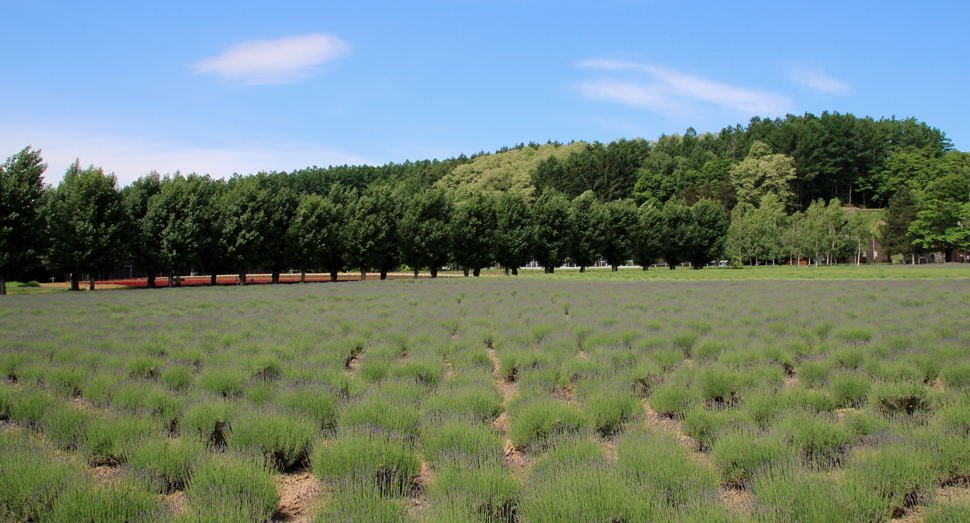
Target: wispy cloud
point(668, 89)
point(818, 80)
point(281, 61)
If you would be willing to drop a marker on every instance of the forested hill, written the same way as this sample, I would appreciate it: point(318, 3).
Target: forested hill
point(860, 161)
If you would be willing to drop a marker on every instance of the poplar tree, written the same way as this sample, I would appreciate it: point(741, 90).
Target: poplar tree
point(589, 229)
point(621, 228)
point(23, 230)
point(514, 233)
point(648, 236)
point(425, 231)
point(472, 233)
point(553, 230)
point(88, 224)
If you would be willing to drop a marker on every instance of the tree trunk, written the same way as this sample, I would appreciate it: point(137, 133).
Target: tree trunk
point(333, 275)
point(383, 274)
point(3, 287)
point(515, 271)
point(671, 266)
point(434, 272)
point(582, 269)
point(476, 272)
point(550, 270)
point(415, 274)
point(90, 282)
point(645, 267)
point(151, 281)
point(242, 278)
point(212, 279)
point(171, 279)
point(363, 275)
point(75, 282)
point(466, 272)
point(506, 271)
point(303, 276)
point(276, 276)
point(615, 268)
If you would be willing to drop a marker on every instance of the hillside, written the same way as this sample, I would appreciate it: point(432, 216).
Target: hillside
point(502, 171)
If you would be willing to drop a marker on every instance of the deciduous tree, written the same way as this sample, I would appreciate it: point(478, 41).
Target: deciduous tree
point(88, 223)
point(23, 229)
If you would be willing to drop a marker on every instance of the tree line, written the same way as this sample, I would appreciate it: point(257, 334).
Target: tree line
point(799, 187)
point(165, 224)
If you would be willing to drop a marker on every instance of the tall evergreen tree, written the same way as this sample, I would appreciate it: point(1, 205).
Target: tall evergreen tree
point(88, 224)
point(23, 229)
point(553, 230)
point(894, 232)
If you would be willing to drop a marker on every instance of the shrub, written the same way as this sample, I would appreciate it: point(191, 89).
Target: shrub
point(459, 434)
point(662, 463)
point(178, 377)
point(820, 438)
point(540, 417)
point(586, 491)
point(741, 453)
point(717, 384)
point(474, 488)
point(225, 380)
point(899, 397)
point(108, 437)
point(285, 439)
point(789, 492)
point(30, 481)
point(27, 405)
point(383, 459)
point(105, 504)
point(477, 400)
point(314, 401)
point(848, 389)
point(376, 411)
point(609, 407)
point(66, 425)
point(672, 399)
point(361, 502)
point(957, 375)
point(165, 464)
point(232, 487)
point(207, 420)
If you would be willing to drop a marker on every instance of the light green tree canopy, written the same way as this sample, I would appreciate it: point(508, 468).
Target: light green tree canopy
point(763, 172)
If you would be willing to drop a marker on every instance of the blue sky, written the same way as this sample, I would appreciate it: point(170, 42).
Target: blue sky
point(223, 87)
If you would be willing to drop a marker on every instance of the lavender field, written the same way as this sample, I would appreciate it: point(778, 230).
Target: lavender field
point(491, 400)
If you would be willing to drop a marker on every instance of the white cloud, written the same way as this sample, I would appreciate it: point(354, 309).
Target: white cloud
point(818, 80)
point(628, 93)
point(281, 61)
point(671, 87)
point(131, 157)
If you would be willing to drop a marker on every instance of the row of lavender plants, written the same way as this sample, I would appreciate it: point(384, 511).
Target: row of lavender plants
point(490, 401)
